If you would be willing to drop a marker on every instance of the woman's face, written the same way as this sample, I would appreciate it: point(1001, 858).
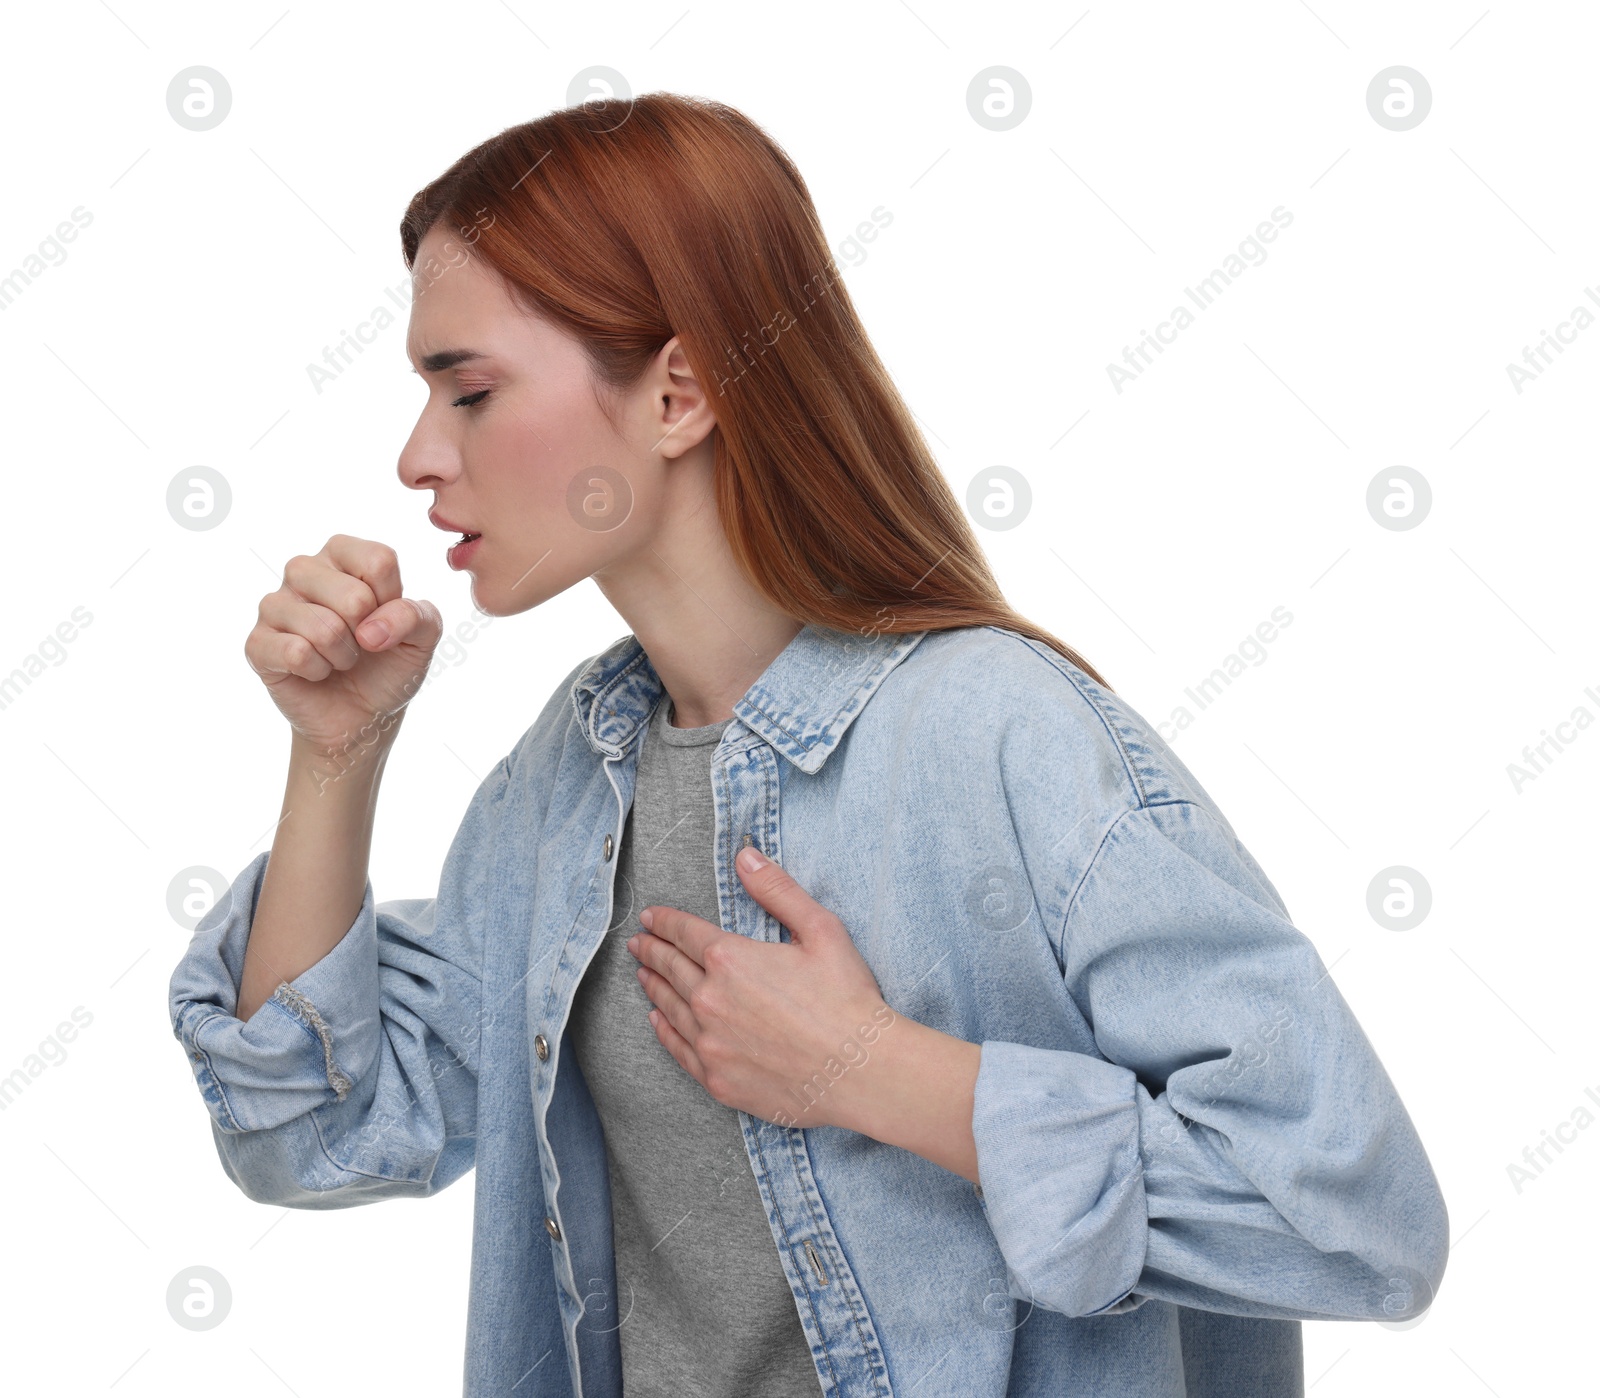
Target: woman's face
point(512, 441)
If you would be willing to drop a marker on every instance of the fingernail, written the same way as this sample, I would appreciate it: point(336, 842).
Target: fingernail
point(751, 859)
point(374, 633)
point(646, 918)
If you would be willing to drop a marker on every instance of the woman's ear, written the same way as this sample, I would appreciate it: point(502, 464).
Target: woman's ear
point(684, 405)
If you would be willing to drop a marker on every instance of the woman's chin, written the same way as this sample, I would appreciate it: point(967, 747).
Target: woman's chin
point(494, 599)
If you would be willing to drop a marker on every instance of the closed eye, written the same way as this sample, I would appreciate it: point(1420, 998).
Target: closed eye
point(471, 399)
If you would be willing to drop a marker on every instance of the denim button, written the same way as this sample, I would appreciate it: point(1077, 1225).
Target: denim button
point(540, 1047)
point(608, 848)
point(552, 1228)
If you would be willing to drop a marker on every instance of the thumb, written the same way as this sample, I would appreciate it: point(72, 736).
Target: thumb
point(772, 887)
point(403, 619)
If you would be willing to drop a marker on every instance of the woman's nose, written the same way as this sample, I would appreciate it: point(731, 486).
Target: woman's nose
point(428, 459)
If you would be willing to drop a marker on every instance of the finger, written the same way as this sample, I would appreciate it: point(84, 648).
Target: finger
point(685, 931)
point(326, 632)
point(664, 996)
point(678, 1047)
point(683, 1016)
point(375, 564)
point(315, 579)
point(777, 892)
point(275, 655)
point(665, 959)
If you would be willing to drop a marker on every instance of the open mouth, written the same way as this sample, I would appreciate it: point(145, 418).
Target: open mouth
point(467, 538)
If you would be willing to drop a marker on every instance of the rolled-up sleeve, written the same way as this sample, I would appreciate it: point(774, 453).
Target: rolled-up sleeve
point(358, 1078)
point(1235, 1145)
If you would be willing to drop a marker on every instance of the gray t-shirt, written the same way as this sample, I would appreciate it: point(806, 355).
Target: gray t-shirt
point(705, 1308)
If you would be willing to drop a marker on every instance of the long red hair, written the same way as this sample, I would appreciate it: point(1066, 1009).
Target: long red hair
point(629, 221)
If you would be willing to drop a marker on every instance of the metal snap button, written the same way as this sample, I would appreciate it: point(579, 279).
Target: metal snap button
point(552, 1228)
point(607, 847)
point(540, 1047)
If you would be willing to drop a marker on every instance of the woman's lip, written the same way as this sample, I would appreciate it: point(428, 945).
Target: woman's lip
point(458, 554)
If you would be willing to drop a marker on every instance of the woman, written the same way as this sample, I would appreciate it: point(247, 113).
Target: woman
point(980, 1058)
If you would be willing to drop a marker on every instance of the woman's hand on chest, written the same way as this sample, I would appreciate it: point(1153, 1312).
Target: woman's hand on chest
point(771, 1028)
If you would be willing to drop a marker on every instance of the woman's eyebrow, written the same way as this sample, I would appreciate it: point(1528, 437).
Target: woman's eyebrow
point(448, 359)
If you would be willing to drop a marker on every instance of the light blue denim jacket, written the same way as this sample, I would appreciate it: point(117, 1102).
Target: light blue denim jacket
point(1185, 1142)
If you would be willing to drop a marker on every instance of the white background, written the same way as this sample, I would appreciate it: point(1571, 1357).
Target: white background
point(1168, 520)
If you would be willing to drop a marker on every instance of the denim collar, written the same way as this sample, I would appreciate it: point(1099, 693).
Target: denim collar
point(801, 705)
